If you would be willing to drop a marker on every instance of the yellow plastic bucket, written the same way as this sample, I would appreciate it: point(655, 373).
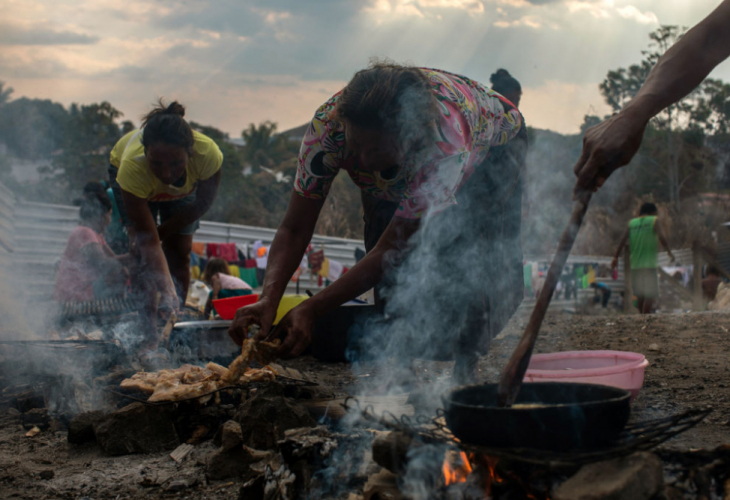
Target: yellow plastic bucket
point(288, 302)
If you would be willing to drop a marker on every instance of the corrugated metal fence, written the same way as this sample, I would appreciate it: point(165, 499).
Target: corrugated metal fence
point(35, 235)
point(42, 230)
point(7, 222)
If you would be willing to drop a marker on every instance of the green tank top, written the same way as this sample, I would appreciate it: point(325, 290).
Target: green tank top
point(643, 242)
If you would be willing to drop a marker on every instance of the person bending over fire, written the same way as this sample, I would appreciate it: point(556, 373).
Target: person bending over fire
point(164, 169)
point(438, 160)
point(89, 269)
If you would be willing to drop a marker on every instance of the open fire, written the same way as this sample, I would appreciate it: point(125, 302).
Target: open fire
point(480, 473)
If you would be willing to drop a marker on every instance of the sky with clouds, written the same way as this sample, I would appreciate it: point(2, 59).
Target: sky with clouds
point(234, 62)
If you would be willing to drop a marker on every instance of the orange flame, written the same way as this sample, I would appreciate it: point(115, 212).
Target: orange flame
point(456, 468)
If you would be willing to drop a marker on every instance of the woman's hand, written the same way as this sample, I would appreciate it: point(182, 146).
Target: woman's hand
point(298, 326)
point(261, 313)
point(169, 303)
point(606, 147)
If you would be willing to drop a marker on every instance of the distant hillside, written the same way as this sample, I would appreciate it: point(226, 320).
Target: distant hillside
point(295, 134)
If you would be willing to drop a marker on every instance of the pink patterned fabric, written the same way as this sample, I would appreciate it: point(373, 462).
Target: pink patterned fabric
point(75, 276)
point(473, 119)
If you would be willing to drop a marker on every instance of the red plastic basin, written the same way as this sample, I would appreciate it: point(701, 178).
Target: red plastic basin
point(226, 308)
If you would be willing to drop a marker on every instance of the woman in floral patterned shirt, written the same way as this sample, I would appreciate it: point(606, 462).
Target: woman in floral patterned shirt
point(413, 140)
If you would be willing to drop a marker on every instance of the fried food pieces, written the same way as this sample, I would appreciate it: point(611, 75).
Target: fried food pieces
point(262, 352)
point(190, 381)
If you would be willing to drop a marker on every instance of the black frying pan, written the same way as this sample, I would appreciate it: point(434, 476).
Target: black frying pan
point(569, 416)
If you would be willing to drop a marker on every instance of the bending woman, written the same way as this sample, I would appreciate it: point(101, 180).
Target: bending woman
point(166, 170)
point(438, 160)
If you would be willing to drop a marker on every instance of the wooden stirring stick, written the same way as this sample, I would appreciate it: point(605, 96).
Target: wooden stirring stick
point(514, 372)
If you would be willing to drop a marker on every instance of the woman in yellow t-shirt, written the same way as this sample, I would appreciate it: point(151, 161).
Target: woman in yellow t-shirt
point(168, 171)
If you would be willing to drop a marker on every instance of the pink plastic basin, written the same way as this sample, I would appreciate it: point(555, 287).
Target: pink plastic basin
point(614, 368)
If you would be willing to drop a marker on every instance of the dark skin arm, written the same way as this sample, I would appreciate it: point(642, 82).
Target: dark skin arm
point(299, 322)
point(147, 246)
point(287, 249)
point(662, 238)
point(204, 197)
point(285, 255)
point(612, 143)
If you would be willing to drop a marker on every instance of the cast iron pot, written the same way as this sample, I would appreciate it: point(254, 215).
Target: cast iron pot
point(568, 416)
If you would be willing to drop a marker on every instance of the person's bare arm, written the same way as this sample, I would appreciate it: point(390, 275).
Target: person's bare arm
point(147, 244)
point(299, 323)
point(612, 143)
point(662, 238)
point(204, 197)
point(289, 245)
point(285, 256)
point(621, 245)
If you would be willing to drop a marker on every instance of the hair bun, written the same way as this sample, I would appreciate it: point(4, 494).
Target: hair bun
point(500, 75)
point(175, 108)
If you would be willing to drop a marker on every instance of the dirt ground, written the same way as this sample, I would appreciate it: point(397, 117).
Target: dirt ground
point(689, 369)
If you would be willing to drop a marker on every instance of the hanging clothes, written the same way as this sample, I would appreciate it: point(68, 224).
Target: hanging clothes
point(198, 248)
point(316, 258)
point(228, 252)
point(242, 251)
point(225, 251)
point(302, 266)
point(325, 268)
point(335, 270)
point(261, 262)
point(248, 275)
point(527, 277)
point(211, 250)
point(591, 274)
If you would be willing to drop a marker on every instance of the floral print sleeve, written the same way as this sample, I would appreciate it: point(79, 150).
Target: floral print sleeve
point(320, 155)
point(473, 119)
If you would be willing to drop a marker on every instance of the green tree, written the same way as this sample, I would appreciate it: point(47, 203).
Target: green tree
point(5, 93)
point(92, 132)
point(667, 147)
point(33, 128)
point(264, 148)
point(127, 126)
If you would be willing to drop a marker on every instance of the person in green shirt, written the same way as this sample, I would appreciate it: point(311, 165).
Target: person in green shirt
point(644, 235)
